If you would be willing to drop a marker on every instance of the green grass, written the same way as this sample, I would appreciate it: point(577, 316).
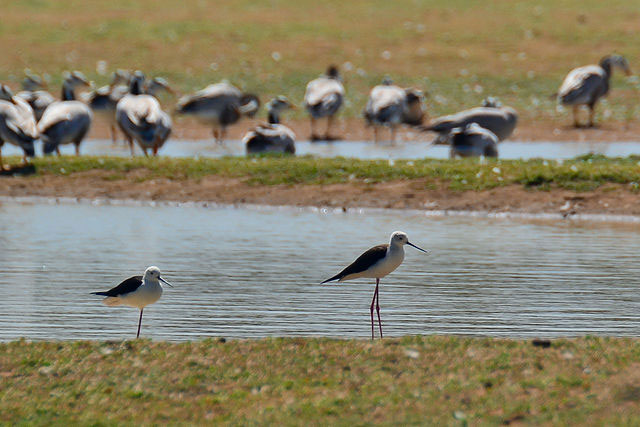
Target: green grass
point(432, 380)
point(583, 173)
point(459, 51)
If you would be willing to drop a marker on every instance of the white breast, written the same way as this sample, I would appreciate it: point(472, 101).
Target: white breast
point(146, 294)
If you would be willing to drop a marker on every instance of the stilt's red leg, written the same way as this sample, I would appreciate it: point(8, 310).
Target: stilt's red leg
point(373, 302)
point(139, 323)
point(378, 306)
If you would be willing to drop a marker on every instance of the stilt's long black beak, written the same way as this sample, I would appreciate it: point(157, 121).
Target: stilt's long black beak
point(165, 282)
point(420, 249)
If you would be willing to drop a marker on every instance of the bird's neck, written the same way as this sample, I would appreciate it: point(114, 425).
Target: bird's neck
point(136, 88)
point(151, 283)
point(68, 93)
point(274, 117)
point(395, 248)
point(605, 64)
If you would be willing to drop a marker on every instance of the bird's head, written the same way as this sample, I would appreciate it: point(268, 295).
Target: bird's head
point(332, 72)
point(400, 238)
point(136, 85)
point(280, 103)
point(414, 113)
point(120, 77)
point(616, 61)
point(6, 93)
point(153, 273)
point(491, 102)
point(76, 79)
point(32, 81)
point(158, 83)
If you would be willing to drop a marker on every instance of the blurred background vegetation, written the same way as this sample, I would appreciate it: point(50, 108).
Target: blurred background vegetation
point(459, 51)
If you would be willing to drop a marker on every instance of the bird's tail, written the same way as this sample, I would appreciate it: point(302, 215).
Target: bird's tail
point(336, 277)
point(109, 300)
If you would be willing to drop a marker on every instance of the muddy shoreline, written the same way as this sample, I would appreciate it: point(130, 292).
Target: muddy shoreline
point(612, 199)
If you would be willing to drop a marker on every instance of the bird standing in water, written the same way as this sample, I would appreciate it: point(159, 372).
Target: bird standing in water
point(376, 263)
point(136, 291)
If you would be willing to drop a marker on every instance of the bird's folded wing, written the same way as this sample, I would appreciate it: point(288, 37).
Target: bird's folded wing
point(580, 79)
point(127, 286)
point(364, 261)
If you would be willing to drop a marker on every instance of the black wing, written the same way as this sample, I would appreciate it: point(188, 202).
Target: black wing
point(128, 286)
point(363, 262)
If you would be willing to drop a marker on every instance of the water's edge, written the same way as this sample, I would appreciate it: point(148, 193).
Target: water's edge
point(550, 216)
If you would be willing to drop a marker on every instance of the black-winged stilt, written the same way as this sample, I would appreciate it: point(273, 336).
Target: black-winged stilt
point(376, 263)
point(136, 291)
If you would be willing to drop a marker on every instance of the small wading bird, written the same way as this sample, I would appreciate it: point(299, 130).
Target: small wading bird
point(136, 291)
point(66, 121)
point(219, 106)
point(586, 85)
point(323, 98)
point(376, 263)
point(492, 116)
point(473, 141)
point(141, 118)
point(390, 105)
point(272, 137)
point(17, 124)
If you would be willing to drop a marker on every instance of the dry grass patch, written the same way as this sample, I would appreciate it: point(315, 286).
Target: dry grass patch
point(439, 380)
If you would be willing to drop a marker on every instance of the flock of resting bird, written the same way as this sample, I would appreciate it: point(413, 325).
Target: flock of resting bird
point(130, 104)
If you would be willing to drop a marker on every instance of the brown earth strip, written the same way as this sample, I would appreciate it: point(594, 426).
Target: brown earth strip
point(406, 194)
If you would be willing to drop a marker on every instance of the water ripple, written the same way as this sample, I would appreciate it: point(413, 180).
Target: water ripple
point(244, 273)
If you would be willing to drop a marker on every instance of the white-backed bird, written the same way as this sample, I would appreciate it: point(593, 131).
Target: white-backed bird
point(67, 121)
point(17, 124)
point(586, 85)
point(141, 118)
point(323, 98)
point(136, 291)
point(219, 106)
point(272, 137)
point(390, 105)
point(376, 263)
point(492, 116)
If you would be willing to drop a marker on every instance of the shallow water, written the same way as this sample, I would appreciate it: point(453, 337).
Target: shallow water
point(249, 272)
point(360, 149)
